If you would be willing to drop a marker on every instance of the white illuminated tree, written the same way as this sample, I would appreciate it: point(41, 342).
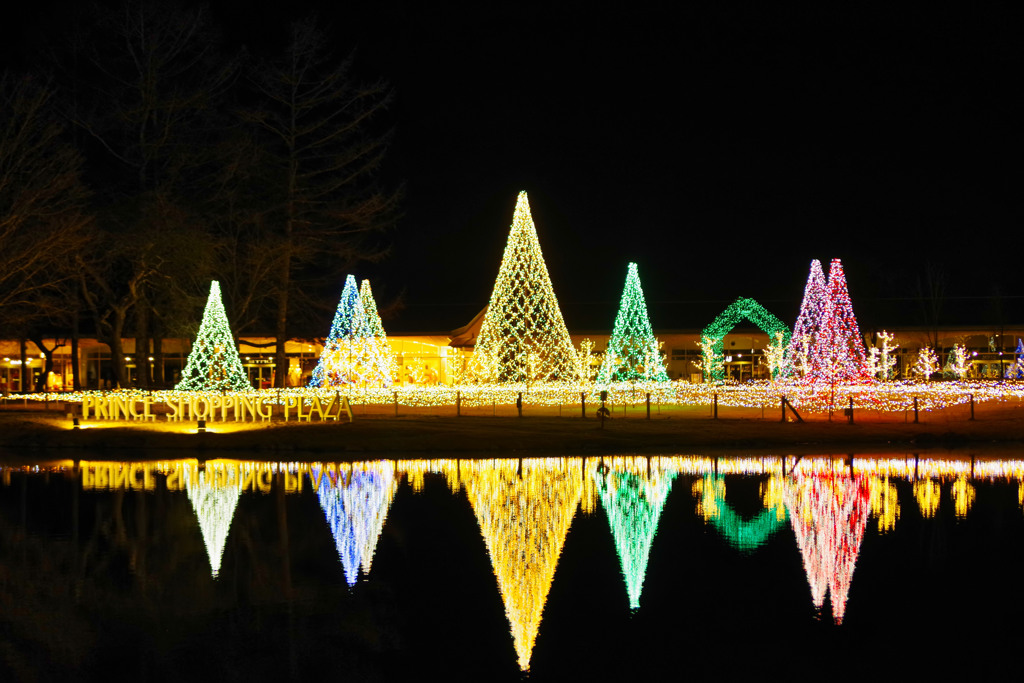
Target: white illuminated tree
point(213, 363)
point(775, 355)
point(523, 337)
point(709, 360)
point(927, 363)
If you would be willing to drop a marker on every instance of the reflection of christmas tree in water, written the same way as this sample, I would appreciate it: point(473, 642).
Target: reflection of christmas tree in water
point(829, 513)
point(214, 496)
point(745, 535)
point(633, 502)
point(355, 499)
point(524, 516)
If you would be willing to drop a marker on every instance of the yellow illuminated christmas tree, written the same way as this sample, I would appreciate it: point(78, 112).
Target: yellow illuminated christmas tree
point(523, 337)
point(524, 512)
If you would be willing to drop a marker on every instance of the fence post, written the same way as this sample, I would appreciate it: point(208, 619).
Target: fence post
point(915, 410)
point(714, 407)
point(971, 396)
point(395, 393)
point(458, 403)
point(648, 405)
point(583, 404)
point(849, 415)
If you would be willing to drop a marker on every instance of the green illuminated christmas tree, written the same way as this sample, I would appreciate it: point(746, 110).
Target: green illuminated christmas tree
point(632, 353)
point(213, 363)
point(382, 362)
point(523, 337)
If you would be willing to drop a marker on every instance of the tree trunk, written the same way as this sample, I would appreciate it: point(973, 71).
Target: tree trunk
point(159, 379)
point(280, 337)
point(47, 362)
point(281, 328)
point(116, 344)
point(76, 381)
point(142, 343)
point(25, 373)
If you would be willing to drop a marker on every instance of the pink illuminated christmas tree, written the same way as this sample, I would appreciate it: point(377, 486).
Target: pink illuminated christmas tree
point(806, 329)
point(838, 354)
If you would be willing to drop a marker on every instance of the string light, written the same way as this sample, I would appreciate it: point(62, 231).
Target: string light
point(882, 361)
point(213, 363)
point(728, 319)
point(927, 363)
point(523, 338)
point(633, 352)
point(382, 361)
point(1016, 371)
point(805, 330)
point(356, 351)
point(838, 355)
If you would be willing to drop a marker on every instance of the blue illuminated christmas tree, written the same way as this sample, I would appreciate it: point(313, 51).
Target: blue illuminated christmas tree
point(633, 353)
point(356, 351)
point(1016, 371)
point(355, 501)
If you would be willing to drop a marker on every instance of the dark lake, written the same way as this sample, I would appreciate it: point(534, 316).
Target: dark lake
point(540, 568)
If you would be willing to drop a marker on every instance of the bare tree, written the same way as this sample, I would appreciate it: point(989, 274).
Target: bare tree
point(931, 294)
point(42, 217)
point(151, 80)
point(321, 155)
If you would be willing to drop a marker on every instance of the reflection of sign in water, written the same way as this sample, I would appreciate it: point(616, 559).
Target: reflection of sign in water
point(828, 512)
point(746, 535)
point(633, 501)
point(214, 494)
point(355, 499)
point(524, 514)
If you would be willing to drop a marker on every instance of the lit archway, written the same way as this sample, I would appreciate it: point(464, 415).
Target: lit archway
point(728, 319)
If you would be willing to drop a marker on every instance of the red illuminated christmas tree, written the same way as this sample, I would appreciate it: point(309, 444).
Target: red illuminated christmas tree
point(838, 354)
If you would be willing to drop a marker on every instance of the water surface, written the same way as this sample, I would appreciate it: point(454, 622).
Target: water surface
point(551, 568)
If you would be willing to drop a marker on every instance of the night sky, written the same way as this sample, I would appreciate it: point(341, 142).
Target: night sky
point(721, 148)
